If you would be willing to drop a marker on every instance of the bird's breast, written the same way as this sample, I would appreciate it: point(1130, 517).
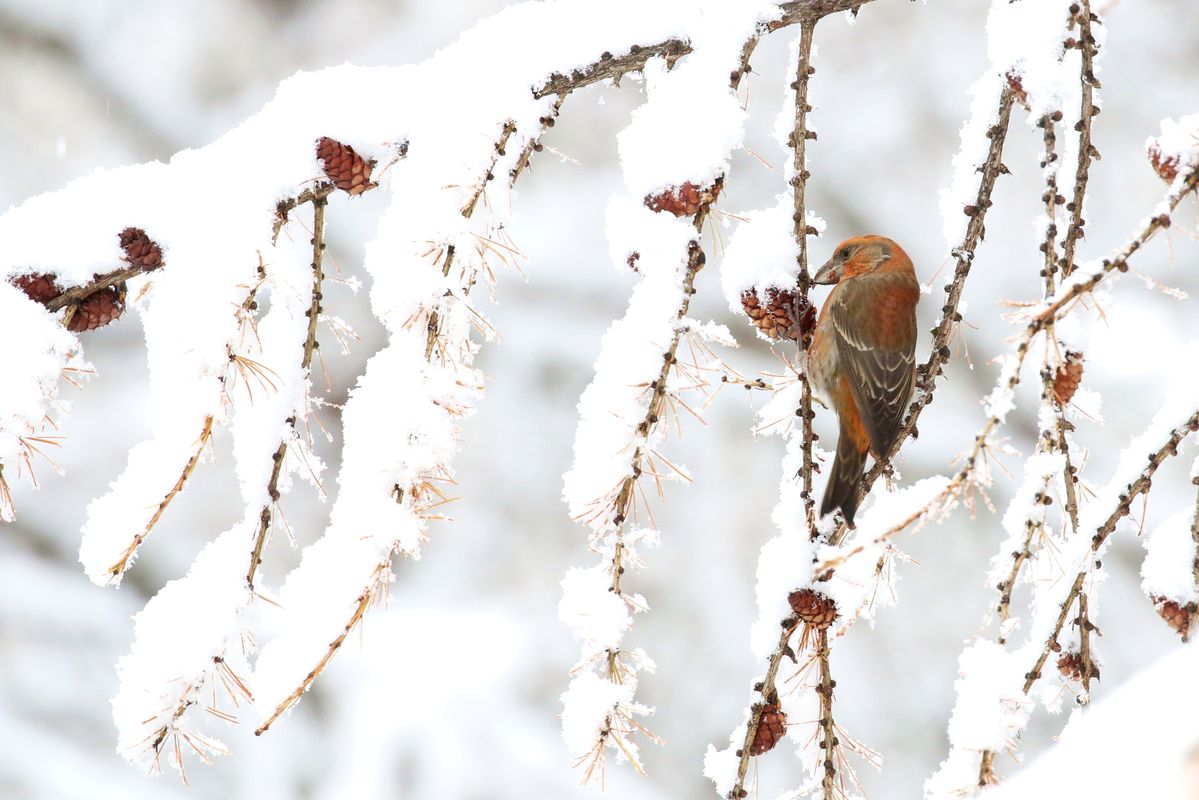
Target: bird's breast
point(823, 368)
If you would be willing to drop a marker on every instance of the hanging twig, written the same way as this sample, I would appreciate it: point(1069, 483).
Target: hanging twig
point(118, 569)
point(1069, 292)
point(310, 345)
point(1137, 487)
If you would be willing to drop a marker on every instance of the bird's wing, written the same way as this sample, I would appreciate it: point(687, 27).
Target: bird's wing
point(874, 317)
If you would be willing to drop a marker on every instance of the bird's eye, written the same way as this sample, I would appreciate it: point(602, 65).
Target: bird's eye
point(844, 253)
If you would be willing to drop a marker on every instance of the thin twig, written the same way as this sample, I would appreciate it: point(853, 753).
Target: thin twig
point(433, 326)
point(1047, 441)
point(1137, 487)
point(800, 230)
point(319, 192)
point(1194, 531)
point(86, 290)
point(610, 67)
point(828, 728)
point(377, 580)
point(654, 413)
point(1044, 316)
point(534, 144)
point(117, 569)
point(1087, 47)
point(310, 345)
point(403, 493)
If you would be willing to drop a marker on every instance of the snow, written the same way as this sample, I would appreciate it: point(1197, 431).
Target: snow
point(373, 109)
point(1025, 511)
point(169, 674)
point(720, 766)
point(990, 713)
point(1181, 401)
point(595, 615)
point(1027, 40)
point(1169, 567)
point(587, 706)
point(971, 154)
point(1178, 143)
point(618, 434)
point(29, 396)
point(1097, 757)
point(761, 253)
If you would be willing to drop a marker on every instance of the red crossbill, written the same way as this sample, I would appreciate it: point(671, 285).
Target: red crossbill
point(862, 356)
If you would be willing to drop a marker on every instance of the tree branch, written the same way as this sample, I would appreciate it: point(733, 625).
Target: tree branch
point(310, 344)
point(767, 688)
point(1082, 18)
point(1137, 487)
point(611, 67)
point(927, 373)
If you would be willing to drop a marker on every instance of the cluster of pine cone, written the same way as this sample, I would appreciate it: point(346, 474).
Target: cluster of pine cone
point(685, 200)
point(105, 304)
point(783, 315)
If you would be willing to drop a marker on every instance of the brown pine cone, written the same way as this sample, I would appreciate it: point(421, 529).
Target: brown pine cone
point(1165, 166)
point(814, 608)
point(1067, 377)
point(1070, 665)
point(685, 200)
point(1017, 87)
point(771, 728)
point(140, 250)
point(39, 288)
point(785, 313)
point(98, 310)
point(349, 171)
point(1176, 616)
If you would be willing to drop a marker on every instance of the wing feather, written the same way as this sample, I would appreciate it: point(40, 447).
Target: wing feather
point(875, 322)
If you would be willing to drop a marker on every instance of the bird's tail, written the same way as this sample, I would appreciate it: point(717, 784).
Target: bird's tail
point(842, 489)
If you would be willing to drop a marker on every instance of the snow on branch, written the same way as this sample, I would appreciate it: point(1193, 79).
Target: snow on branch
point(763, 267)
point(1170, 571)
point(1042, 316)
point(1061, 585)
point(216, 360)
point(640, 379)
point(994, 701)
point(217, 252)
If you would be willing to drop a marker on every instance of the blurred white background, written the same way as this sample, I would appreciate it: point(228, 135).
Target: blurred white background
point(452, 690)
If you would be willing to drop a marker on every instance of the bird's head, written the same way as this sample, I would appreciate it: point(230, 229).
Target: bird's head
point(861, 255)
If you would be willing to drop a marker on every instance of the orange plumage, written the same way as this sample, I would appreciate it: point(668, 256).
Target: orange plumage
point(863, 354)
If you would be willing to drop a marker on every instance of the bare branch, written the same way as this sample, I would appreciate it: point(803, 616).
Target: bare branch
point(1043, 317)
point(1137, 487)
point(611, 67)
point(310, 344)
point(1082, 18)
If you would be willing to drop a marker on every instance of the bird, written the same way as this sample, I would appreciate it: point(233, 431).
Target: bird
point(862, 356)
